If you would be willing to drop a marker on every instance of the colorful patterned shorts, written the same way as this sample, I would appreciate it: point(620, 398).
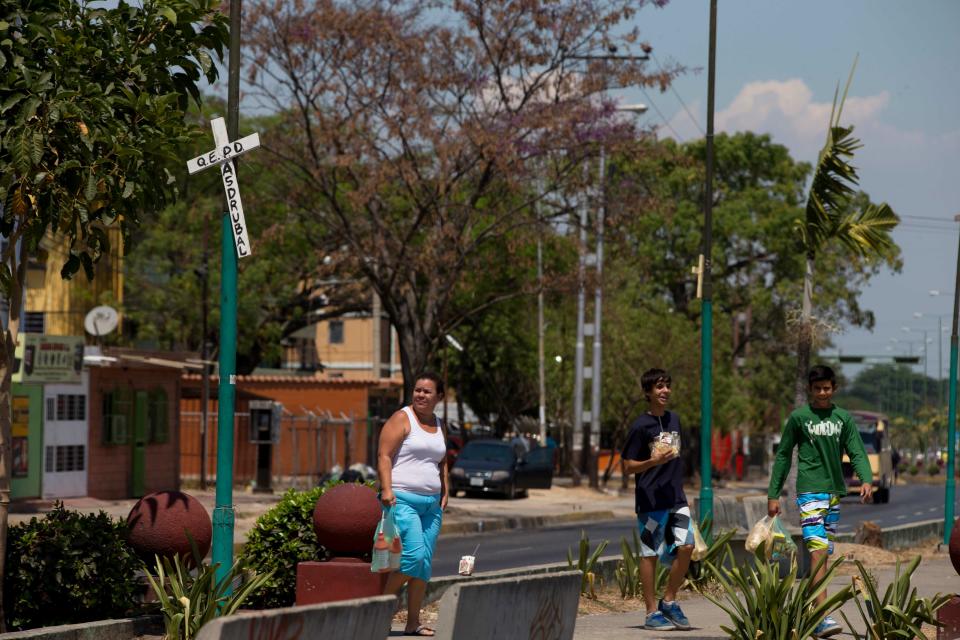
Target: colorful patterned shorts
point(661, 532)
point(819, 515)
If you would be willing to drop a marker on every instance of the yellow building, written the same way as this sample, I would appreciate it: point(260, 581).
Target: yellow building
point(358, 346)
point(57, 307)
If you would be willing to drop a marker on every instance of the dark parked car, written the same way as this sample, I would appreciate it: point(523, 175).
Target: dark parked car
point(493, 466)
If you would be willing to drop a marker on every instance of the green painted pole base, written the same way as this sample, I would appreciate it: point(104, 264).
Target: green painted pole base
point(706, 411)
point(223, 514)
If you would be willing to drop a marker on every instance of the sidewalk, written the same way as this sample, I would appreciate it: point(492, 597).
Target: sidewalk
point(563, 503)
point(935, 575)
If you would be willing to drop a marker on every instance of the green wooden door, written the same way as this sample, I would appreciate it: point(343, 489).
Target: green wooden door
point(139, 458)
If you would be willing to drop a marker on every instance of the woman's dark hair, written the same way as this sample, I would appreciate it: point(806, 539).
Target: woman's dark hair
point(821, 373)
point(651, 377)
point(430, 375)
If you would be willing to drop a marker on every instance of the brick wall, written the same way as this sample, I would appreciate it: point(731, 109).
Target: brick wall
point(110, 466)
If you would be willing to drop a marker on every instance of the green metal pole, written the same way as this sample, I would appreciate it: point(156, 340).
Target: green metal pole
point(706, 329)
point(949, 492)
point(951, 440)
point(223, 515)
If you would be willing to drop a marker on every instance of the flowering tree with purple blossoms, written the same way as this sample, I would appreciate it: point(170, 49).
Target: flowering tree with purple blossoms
point(418, 134)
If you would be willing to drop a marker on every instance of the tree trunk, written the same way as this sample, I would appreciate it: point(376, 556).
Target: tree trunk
point(804, 347)
point(16, 262)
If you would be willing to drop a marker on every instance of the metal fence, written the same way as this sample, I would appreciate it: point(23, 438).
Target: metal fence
point(306, 448)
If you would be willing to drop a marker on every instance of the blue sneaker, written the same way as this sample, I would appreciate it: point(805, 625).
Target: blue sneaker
point(827, 628)
point(672, 612)
point(658, 622)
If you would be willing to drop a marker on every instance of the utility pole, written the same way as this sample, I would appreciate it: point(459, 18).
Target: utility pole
point(542, 413)
point(204, 355)
point(950, 488)
point(577, 436)
point(597, 360)
point(706, 328)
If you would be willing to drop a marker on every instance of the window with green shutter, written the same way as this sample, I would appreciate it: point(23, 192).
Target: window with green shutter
point(157, 417)
point(117, 416)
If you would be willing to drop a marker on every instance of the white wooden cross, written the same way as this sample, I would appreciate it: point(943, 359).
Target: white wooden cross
point(223, 155)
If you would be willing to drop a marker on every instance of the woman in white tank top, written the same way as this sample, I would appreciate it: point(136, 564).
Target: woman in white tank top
point(412, 466)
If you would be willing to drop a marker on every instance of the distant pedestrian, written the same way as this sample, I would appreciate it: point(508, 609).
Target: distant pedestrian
point(652, 452)
point(822, 432)
point(414, 483)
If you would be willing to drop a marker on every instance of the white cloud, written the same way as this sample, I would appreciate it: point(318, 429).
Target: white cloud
point(786, 109)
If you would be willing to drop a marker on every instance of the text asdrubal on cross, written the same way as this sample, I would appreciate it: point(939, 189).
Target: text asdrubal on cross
point(222, 155)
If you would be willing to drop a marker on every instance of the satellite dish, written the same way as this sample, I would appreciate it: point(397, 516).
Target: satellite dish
point(101, 320)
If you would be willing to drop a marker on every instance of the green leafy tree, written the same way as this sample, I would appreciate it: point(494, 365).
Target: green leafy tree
point(758, 273)
point(91, 109)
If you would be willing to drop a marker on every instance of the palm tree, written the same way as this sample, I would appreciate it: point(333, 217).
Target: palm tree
point(833, 217)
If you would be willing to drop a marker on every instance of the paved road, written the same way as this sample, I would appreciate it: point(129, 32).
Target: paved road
point(505, 550)
point(908, 503)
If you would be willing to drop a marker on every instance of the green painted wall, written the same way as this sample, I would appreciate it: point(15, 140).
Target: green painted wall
point(29, 398)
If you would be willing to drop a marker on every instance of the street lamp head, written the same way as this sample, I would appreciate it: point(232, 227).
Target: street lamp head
point(453, 342)
point(637, 108)
point(905, 329)
point(917, 314)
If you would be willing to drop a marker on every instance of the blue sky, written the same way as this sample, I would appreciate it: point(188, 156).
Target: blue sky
point(778, 63)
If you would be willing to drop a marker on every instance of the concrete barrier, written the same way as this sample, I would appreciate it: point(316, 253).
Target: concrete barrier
point(360, 619)
point(542, 607)
point(122, 629)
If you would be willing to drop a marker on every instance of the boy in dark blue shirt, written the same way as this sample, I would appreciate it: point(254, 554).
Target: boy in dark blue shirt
point(652, 452)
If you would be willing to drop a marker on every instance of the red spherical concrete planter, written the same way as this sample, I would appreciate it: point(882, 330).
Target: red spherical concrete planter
point(345, 519)
point(159, 522)
point(955, 545)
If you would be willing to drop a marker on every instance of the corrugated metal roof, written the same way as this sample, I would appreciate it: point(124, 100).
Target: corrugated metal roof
point(300, 379)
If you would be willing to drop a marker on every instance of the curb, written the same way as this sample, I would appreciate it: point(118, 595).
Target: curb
point(524, 522)
point(122, 629)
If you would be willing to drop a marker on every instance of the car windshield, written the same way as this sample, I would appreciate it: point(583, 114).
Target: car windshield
point(870, 440)
point(486, 453)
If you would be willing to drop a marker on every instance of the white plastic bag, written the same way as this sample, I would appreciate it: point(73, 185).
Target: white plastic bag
point(761, 533)
point(700, 547)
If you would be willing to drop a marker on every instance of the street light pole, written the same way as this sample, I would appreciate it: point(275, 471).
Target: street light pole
point(706, 329)
point(948, 497)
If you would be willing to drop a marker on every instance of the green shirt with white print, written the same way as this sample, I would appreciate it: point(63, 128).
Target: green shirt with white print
point(821, 437)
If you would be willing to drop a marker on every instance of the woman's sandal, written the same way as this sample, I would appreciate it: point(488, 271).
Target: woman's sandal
point(422, 630)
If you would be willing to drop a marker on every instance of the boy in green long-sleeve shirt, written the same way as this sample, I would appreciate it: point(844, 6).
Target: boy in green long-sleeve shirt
point(821, 431)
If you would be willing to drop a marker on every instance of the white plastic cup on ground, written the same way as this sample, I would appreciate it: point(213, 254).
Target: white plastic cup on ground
point(466, 565)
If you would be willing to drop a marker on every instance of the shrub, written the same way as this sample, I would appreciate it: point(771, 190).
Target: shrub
point(933, 469)
point(191, 597)
point(282, 537)
point(586, 561)
point(900, 612)
point(913, 470)
point(762, 604)
point(67, 568)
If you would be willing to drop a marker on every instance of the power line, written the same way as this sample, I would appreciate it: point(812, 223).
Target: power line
point(934, 219)
point(682, 103)
point(660, 113)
